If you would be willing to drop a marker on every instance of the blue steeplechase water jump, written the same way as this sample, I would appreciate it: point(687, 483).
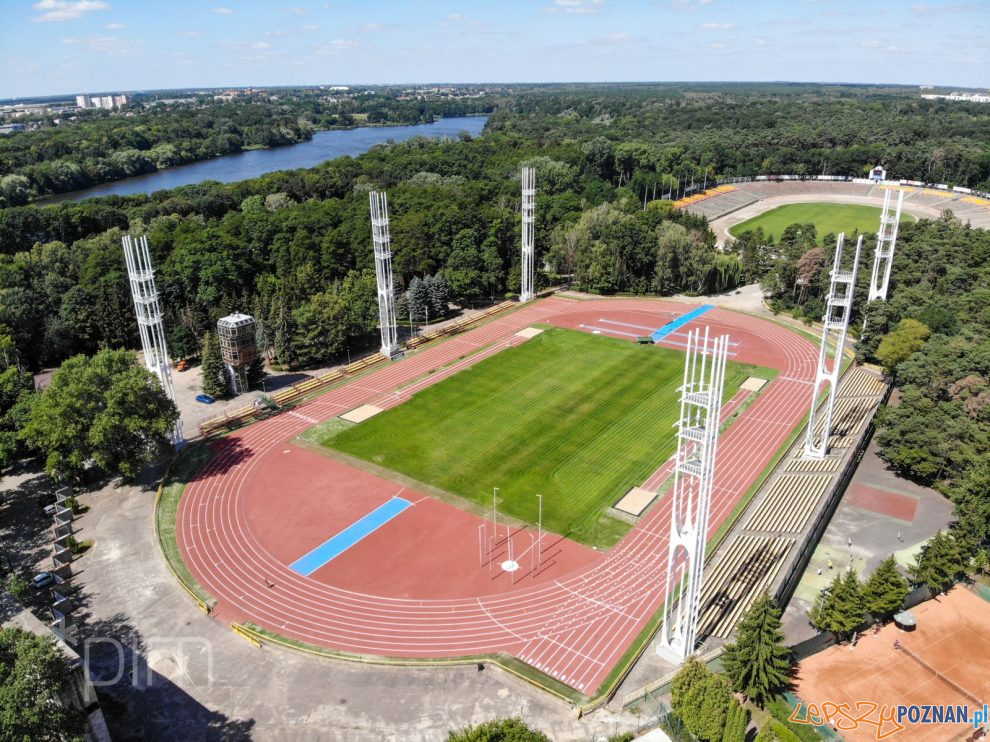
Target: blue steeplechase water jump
point(678, 323)
point(334, 547)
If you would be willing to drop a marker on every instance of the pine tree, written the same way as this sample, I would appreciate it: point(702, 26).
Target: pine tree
point(283, 332)
point(416, 299)
point(884, 592)
point(214, 371)
point(938, 564)
point(757, 662)
point(712, 698)
point(438, 295)
point(736, 722)
point(839, 607)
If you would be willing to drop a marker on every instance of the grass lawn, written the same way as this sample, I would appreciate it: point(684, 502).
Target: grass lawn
point(575, 417)
point(827, 218)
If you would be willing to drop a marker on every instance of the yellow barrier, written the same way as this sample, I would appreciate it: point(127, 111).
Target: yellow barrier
point(246, 634)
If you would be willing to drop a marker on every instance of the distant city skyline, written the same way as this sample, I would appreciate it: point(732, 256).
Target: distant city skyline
point(67, 47)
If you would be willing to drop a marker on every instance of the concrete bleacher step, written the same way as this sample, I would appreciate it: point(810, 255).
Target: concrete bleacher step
point(789, 503)
point(755, 562)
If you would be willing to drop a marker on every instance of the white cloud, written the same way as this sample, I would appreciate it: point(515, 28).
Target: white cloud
point(296, 11)
point(923, 9)
point(109, 45)
point(719, 26)
point(261, 45)
point(335, 47)
point(65, 10)
point(223, 11)
point(115, 26)
point(190, 33)
point(456, 17)
point(371, 27)
point(309, 27)
point(577, 7)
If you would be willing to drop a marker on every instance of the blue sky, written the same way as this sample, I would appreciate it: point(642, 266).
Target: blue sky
point(72, 46)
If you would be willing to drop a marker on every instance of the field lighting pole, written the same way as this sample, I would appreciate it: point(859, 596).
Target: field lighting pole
point(144, 292)
point(527, 292)
point(694, 473)
point(883, 257)
point(383, 273)
point(835, 325)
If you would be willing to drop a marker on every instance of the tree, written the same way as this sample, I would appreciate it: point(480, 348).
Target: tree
point(938, 565)
point(885, 590)
point(34, 678)
point(908, 337)
point(106, 410)
point(499, 730)
point(736, 722)
point(839, 607)
point(214, 371)
point(757, 662)
point(701, 699)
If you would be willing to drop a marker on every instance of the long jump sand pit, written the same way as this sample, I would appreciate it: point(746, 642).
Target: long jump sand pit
point(952, 638)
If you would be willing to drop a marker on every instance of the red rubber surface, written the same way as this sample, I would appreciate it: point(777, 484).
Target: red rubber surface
point(884, 502)
point(415, 588)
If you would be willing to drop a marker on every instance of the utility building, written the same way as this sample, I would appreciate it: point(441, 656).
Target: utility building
point(239, 347)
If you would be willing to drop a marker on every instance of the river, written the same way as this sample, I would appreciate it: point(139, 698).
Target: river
point(325, 145)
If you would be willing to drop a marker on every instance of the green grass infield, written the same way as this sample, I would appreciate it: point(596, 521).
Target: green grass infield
point(577, 418)
point(827, 218)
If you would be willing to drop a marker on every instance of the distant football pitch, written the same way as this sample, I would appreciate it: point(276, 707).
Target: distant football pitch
point(827, 218)
point(577, 418)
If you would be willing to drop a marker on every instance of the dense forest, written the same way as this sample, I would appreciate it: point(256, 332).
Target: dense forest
point(932, 336)
point(100, 147)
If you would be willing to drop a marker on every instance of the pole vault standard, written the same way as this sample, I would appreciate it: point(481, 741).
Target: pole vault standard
point(694, 472)
point(527, 292)
point(835, 325)
point(149, 318)
point(383, 273)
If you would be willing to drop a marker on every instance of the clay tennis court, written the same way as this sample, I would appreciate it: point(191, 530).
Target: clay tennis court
point(414, 584)
point(952, 636)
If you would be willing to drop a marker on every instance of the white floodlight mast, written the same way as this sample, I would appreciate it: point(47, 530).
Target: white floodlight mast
point(883, 259)
point(835, 325)
point(149, 317)
point(527, 292)
point(694, 471)
point(383, 273)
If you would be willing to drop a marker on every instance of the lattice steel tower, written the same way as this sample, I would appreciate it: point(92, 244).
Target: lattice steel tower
point(694, 471)
point(149, 317)
point(835, 324)
point(527, 292)
point(383, 273)
point(883, 259)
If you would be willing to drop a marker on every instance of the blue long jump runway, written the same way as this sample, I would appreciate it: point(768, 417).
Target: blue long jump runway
point(678, 323)
point(334, 547)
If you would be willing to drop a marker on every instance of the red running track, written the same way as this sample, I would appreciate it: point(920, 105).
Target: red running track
point(415, 587)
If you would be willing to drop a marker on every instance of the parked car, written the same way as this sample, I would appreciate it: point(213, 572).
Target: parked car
point(205, 398)
point(43, 580)
point(50, 509)
point(45, 499)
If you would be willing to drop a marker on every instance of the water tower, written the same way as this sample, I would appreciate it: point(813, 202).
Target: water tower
point(239, 347)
